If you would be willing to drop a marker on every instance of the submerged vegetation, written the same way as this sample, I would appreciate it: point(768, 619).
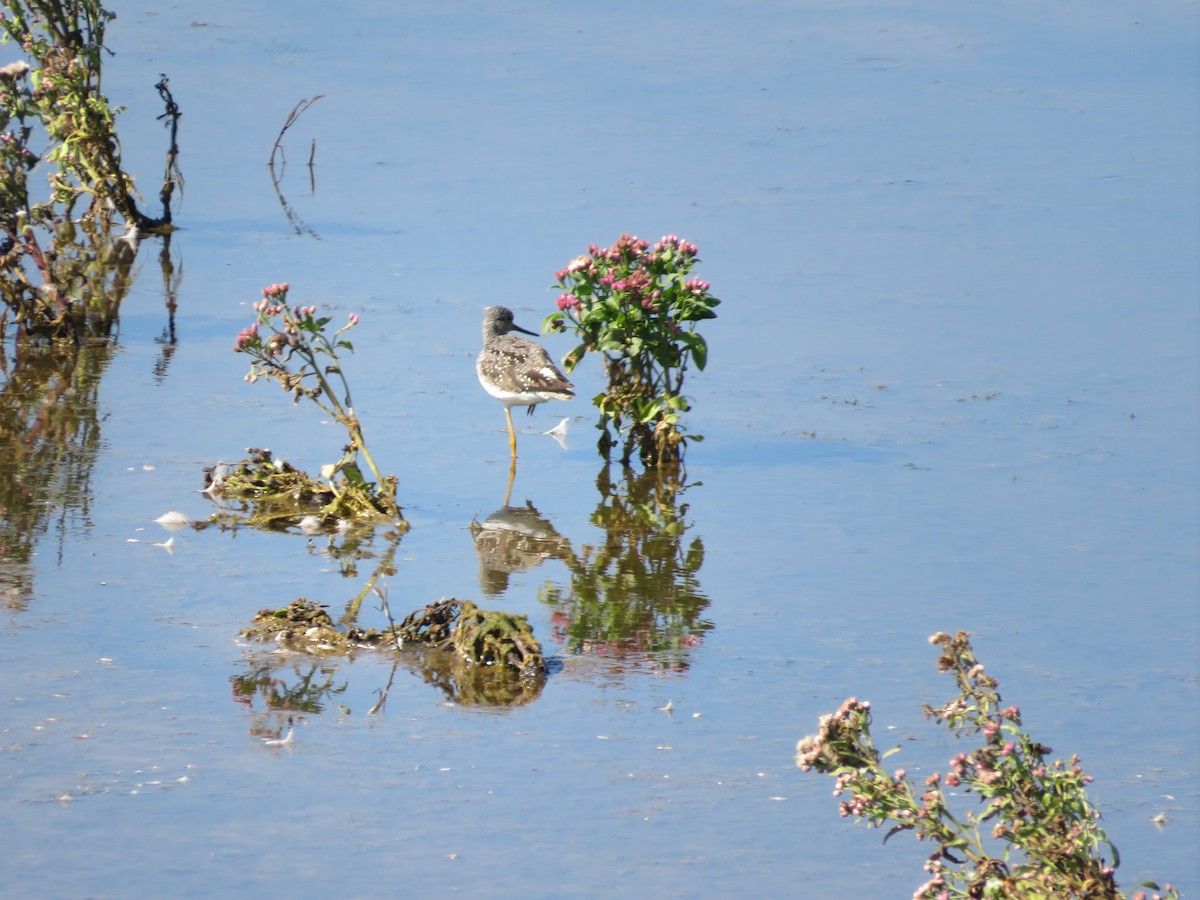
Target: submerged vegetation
point(1045, 840)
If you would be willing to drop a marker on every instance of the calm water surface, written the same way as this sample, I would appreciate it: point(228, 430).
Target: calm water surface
point(953, 386)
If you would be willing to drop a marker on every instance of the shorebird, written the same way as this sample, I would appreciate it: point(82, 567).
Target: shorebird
point(515, 371)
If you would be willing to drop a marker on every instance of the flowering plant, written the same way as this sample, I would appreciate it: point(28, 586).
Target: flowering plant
point(53, 114)
point(638, 305)
point(1041, 811)
point(297, 353)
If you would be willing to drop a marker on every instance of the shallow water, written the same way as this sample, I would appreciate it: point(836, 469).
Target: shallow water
point(952, 386)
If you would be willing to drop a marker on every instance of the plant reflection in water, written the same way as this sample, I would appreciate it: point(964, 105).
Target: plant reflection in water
point(636, 595)
point(305, 691)
point(49, 398)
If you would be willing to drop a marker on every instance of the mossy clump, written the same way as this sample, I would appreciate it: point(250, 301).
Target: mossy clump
point(488, 639)
point(480, 636)
point(305, 627)
point(281, 495)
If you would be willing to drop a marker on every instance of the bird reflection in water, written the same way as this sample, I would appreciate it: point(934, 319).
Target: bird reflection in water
point(515, 539)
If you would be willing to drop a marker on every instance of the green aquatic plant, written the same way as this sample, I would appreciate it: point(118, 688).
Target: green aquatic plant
point(1045, 839)
point(292, 347)
point(638, 306)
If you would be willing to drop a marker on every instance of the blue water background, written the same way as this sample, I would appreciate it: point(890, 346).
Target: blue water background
point(953, 385)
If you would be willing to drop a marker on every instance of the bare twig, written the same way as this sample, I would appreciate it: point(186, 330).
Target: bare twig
point(381, 593)
point(171, 176)
point(297, 110)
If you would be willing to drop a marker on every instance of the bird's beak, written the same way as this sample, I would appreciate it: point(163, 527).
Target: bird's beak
point(517, 327)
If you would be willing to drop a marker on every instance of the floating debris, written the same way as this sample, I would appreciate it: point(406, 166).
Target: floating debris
point(284, 741)
point(173, 519)
point(559, 433)
point(216, 478)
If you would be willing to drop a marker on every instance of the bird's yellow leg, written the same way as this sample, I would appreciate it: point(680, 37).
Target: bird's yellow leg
point(512, 435)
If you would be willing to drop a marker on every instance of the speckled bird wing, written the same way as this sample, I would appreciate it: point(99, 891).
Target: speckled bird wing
point(518, 365)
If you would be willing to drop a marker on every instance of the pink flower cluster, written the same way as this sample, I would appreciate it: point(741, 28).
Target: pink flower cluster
point(274, 290)
point(628, 246)
point(267, 309)
point(584, 264)
point(935, 884)
point(245, 338)
point(819, 751)
point(674, 244)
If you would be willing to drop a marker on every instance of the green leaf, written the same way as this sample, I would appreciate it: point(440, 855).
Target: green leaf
point(699, 351)
point(572, 359)
point(649, 413)
point(353, 474)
